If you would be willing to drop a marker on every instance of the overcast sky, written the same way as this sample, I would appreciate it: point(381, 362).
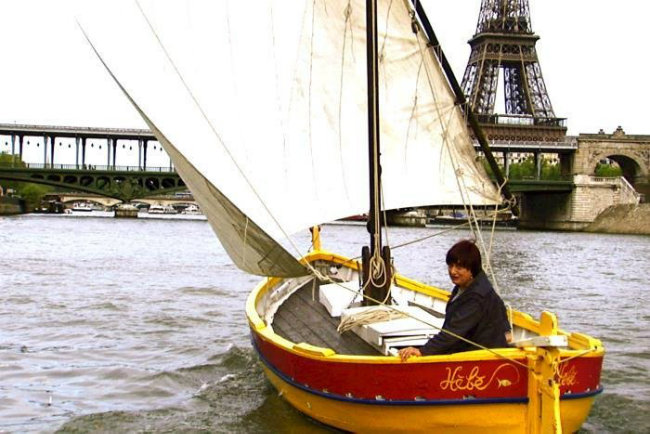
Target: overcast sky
point(593, 55)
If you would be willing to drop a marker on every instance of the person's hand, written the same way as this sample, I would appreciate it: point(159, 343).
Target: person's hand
point(407, 352)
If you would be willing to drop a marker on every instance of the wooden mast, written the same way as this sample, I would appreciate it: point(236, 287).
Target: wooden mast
point(376, 277)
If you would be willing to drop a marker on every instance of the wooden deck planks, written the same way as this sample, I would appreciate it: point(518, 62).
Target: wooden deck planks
point(301, 319)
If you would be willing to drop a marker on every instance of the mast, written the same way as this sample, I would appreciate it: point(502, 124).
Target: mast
point(375, 257)
point(460, 100)
point(374, 224)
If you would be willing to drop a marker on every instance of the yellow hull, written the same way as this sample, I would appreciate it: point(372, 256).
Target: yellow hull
point(561, 383)
point(478, 418)
point(469, 418)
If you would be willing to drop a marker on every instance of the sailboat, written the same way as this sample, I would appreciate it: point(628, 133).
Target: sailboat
point(280, 116)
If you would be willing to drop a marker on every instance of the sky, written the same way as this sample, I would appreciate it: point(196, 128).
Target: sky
point(591, 52)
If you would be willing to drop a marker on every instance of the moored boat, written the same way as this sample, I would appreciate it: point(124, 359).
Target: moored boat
point(411, 218)
point(82, 207)
point(192, 210)
point(161, 209)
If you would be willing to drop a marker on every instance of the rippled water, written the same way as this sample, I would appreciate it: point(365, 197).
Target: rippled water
point(138, 325)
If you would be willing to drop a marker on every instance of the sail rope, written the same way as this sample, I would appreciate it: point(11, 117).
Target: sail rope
point(462, 187)
point(369, 316)
point(386, 312)
point(580, 354)
point(473, 221)
point(378, 264)
point(475, 226)
point(360, 319)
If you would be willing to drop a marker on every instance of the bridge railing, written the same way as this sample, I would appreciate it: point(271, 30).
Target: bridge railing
point(550, 146)
point(109, 168)
point(560, 178)
point(628, 193)
point(521, 120)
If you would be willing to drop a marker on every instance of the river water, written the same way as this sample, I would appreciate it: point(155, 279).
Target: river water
point(138, 325)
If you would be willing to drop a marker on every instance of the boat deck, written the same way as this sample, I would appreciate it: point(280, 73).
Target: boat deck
point(302, 318)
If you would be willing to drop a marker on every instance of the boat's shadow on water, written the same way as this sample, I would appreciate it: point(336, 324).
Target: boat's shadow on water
point(227, 394)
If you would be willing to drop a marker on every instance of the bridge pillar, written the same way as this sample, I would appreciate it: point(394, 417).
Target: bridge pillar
point(576, 210)
point(566, 164)
point(506, 164)
point(538, 165)
point(114, 143)
point(109, 148)
point(145, 144)
point(83, 151)
point(20, 146)
point(51, 140)
point(126, 210)
point(76, 150)
point(140, 153)
point(45, 143)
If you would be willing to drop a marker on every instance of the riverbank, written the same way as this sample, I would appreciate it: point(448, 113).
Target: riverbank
point(11, 205)
point(619, 219)
point(623, 219)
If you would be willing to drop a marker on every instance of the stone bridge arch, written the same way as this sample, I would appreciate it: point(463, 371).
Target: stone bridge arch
point(71, 197)
point(634, 170)
point(630, 152)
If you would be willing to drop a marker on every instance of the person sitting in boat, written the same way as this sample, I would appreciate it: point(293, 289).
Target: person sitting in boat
point(474, 312)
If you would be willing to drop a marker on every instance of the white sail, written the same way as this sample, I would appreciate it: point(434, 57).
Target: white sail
point(263, 108)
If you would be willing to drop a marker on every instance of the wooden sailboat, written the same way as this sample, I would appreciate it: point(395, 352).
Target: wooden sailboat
point(269, 112)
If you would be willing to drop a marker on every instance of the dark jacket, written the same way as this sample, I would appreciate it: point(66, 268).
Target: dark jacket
point(478, 314)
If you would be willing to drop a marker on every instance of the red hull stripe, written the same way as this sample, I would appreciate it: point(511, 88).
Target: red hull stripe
point(308, 376)
point(386, 402)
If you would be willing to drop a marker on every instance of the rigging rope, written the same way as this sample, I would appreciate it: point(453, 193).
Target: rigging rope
point(368, 319)
point(379, 266)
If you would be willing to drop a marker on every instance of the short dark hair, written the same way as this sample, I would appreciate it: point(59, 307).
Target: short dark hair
point(467, 255)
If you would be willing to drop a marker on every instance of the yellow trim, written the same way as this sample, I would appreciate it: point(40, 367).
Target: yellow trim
point(312, 350)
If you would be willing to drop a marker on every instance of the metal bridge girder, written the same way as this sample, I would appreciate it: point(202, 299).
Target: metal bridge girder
point(123, 185)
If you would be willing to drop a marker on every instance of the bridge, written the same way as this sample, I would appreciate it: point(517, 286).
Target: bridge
point(121, 163)
point(96, 161)
point(92, 166)
point(124, 183)
point(95, 146)
point(590, 194)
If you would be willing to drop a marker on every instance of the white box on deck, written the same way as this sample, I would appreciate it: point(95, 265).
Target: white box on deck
point(339, 296)
point(414, 329)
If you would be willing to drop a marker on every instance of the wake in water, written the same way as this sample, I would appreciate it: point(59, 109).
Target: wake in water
point(227, 394)
point(219, 394)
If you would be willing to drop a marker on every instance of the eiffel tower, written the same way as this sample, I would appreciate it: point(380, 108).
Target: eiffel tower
point(504, 47)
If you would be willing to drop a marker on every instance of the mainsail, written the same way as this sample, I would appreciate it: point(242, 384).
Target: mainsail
point(262, 107)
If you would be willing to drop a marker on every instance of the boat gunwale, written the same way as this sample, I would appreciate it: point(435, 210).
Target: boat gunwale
point(587, 346)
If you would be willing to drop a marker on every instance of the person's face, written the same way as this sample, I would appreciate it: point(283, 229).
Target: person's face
point(460, 275)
